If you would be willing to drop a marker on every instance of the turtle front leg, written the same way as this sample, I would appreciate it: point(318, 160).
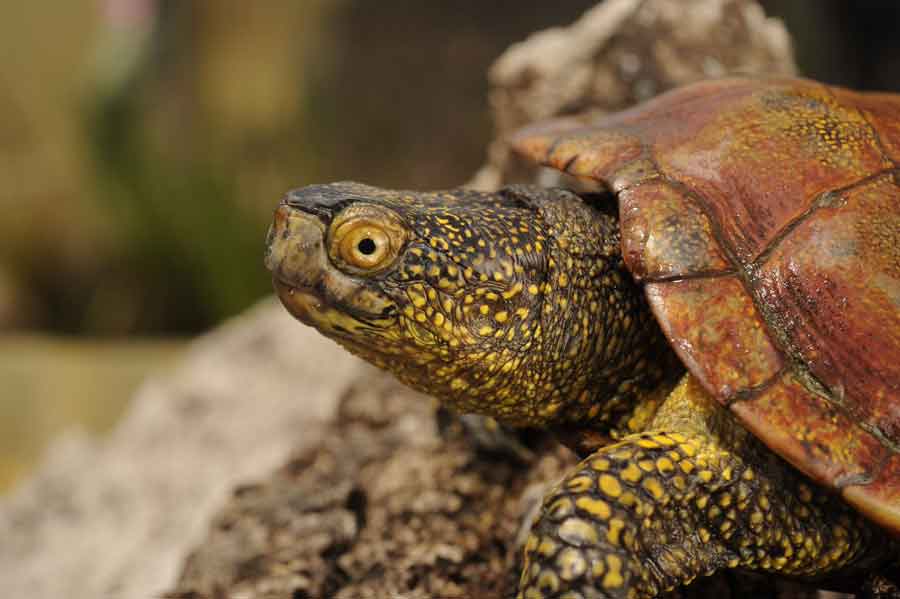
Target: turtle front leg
point(692, 495)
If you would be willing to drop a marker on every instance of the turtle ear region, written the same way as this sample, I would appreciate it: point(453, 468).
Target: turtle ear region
point(525, 196)
point(553, 204)
point(532, 198)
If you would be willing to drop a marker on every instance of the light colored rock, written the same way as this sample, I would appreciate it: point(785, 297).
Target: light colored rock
point(114, 518)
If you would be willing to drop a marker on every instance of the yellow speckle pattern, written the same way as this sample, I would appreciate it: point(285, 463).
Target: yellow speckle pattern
point(507, 304)
point(688, 502)
point(594, 507)
point(610, 485)
point(631, 473)
point(580, 484)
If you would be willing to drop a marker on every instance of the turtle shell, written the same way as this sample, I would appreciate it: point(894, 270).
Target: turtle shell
point(763, 217)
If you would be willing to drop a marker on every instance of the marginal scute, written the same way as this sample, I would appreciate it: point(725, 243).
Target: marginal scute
point(665, 234)
point(880, 498)
point(811, 433)
point(634, 173)
point(601, 148)
point(717, 332)
point(581, 153)
point(534, 142)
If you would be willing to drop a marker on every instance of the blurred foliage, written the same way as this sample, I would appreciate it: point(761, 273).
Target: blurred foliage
point(176, 140)
point(154, 143)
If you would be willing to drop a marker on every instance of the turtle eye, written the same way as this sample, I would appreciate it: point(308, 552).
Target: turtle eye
point(363, 245)
point(366, 239)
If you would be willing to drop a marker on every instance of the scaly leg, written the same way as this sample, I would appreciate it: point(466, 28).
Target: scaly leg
point(693, 494)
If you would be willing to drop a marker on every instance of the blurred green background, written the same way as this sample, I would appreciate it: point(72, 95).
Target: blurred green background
point(144, 144)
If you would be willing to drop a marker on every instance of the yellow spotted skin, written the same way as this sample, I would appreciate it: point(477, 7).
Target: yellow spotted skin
point(507, 304)
point(693, 494)
point(517, 305)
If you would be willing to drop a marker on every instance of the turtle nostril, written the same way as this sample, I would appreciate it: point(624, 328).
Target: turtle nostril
point(280, 218)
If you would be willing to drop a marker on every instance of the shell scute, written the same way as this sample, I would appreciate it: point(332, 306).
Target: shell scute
point(833, 287)
point(717, 332)
point(811, 433)
point(665, 234)
point(763, 160)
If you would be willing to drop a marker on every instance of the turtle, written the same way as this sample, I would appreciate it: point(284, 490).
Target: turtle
point(706, 308)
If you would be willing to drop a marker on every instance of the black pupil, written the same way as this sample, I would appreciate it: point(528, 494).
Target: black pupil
point(366, 246)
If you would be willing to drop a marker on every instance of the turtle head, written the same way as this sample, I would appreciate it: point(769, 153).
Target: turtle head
point(488, 301)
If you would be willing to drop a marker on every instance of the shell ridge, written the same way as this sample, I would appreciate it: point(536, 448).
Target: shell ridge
point(703, 274)
point(750, 393)
point(823, 200)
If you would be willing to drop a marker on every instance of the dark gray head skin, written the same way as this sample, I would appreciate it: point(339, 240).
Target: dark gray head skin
point(513, 304)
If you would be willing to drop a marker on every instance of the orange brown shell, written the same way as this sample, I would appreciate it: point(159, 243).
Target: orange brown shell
point(763, 216)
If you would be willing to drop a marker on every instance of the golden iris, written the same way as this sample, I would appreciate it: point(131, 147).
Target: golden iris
point(363, 244)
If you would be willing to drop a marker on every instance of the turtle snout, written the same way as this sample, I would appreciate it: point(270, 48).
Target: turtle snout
point(295, 248)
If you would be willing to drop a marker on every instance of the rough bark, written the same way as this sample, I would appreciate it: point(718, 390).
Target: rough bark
point(384, 506)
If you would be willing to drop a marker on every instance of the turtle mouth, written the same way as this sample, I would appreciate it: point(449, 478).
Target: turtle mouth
point(315, 307)
point(303, 303)
point(312, 289)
